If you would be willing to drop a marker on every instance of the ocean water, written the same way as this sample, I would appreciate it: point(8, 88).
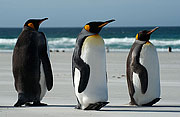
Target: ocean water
point(116, 39)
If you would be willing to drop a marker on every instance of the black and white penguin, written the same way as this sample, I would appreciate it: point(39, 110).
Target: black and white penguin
point(89, 68)
point(31, 65)
point(143, 77)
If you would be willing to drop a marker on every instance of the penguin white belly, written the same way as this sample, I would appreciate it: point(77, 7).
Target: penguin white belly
point(149, 59)
point(93, 53)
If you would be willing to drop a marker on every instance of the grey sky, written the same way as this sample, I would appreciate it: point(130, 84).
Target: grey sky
point(76, 13)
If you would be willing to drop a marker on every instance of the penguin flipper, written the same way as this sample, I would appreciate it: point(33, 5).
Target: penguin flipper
point(46, 64)
point(142, 73)
point(47, 72)
point(143, 76)
point(129, 75)
point(84, 72)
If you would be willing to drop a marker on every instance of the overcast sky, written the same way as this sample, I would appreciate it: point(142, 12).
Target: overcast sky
point(76, 13)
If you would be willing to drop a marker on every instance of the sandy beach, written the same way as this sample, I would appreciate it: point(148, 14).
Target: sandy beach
point(61, 99)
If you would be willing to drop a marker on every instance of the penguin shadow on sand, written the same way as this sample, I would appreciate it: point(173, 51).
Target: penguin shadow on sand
point(143, 109)
point(62, 106)
point(111, 108)
point(48, 106)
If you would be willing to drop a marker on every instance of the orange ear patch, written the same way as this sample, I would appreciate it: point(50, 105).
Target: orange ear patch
point(31, 25)
point(87, 27)
point(137, 37)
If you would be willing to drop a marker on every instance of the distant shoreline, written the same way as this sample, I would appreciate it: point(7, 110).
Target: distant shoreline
point(110, 51)
point(104, 27)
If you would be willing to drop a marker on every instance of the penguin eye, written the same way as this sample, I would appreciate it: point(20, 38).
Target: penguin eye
point(87, 27)
point(137, 37)
point(31, 25)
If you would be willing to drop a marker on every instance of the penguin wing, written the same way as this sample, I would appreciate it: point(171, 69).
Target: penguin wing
point(84, 74)
point(46, 63)
point(143, 76)
point(25, 62)
point(80, 65)
point(139, 69)
point(129, 75)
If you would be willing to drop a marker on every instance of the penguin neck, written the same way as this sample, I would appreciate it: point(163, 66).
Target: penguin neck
point(140, 42)
point(94, 41)
point(86, 33)
point(28, 28)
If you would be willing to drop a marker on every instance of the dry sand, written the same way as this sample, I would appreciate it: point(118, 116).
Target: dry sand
point(61, 98)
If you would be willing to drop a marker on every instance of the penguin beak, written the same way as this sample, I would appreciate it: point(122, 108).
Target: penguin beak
point(42, 20)
point(151, 31)
point(105, 23)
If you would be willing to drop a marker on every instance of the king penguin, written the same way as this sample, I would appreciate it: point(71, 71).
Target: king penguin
point(89, 68)
point(143, 77)
point(31, 65)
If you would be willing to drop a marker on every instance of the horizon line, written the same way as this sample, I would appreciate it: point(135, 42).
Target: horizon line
point(104, 27)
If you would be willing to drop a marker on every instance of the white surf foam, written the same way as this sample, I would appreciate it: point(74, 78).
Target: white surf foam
point(112, 43)
point(8, 41)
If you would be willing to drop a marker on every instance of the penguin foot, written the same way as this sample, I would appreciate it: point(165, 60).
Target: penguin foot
point(132, 103)
point(21, 100)
point(78, 106)
point(96, 106)
point(39, 104)
point(19, 103)
point(36, 104)
point(28, 104)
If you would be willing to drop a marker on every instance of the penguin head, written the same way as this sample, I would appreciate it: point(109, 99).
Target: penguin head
point(95, 27)
point(145, 34)
point(34, 23)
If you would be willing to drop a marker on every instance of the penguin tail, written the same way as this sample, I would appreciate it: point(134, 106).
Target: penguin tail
point(152, 102)
point(96, 106)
